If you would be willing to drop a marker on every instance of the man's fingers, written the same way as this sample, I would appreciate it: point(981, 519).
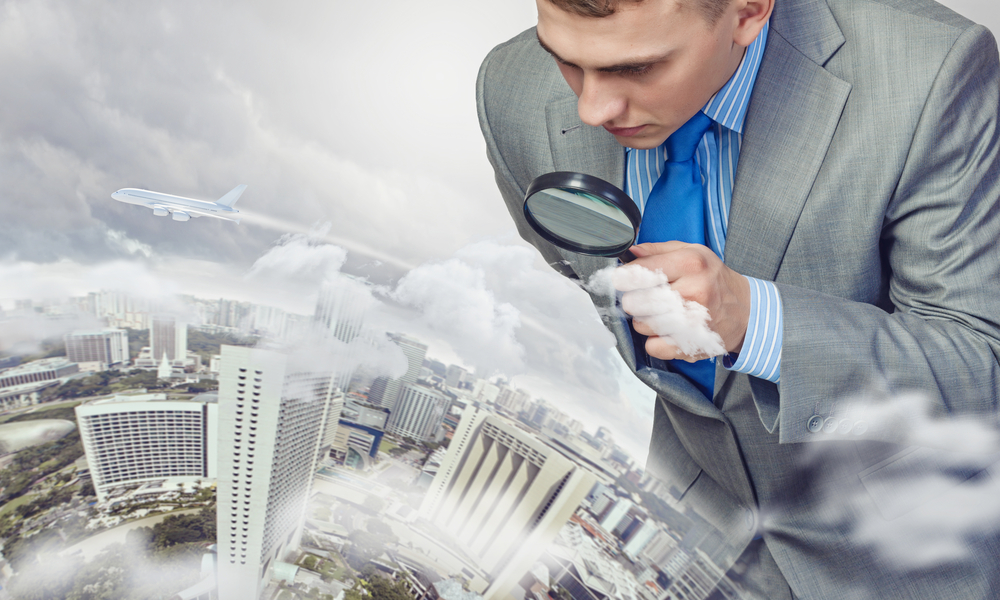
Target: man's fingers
point(663, 347)
point(651, 248)
point(662, 263)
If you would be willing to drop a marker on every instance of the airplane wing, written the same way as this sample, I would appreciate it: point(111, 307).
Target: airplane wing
point(183, 214)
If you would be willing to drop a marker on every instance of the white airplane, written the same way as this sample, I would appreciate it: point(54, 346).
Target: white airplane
point(182, 208)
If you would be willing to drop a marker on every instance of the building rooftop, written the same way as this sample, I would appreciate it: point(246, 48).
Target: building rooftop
point(38, 365)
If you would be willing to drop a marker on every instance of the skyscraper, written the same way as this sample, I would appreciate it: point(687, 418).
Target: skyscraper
point(503, 494)
point(133, 440)
point(342, 306)
point(418, 412)
point(168, 335)
point(97, 350)
point(272, 414)
point(385, 391)
point(455, 376)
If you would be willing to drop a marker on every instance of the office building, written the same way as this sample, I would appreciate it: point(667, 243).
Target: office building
point(333, 412)
point(167, 337)
point(342, 306)
point(20, 396)
point(418, 413)
point(97, 350)
point(45, 369)
point(358, 434)
point(455, 376)
point(130, 441)
point(503, 495)
point(639, 538)
point(272, 418)
point(616, 514)
point(385, 391)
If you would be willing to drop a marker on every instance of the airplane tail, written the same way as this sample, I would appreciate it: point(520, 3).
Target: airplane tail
point(234, 195)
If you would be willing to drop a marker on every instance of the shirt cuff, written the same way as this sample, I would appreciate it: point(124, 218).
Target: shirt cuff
point(761, 353)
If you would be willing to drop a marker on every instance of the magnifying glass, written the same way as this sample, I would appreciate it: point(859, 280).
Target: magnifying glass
point(583, 214)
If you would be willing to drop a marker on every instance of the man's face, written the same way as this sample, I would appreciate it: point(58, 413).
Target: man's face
point(644, 71)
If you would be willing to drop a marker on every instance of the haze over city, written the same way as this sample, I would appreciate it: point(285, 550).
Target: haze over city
point(354, 128)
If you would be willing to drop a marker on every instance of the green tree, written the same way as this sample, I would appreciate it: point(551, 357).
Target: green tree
point(385, 589)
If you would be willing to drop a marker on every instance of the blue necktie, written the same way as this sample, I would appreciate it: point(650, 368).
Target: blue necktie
point(675, 210)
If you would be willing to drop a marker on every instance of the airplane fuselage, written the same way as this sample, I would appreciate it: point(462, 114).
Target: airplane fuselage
point(180, 207)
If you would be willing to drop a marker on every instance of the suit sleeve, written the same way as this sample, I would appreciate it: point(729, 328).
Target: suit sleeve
point(941, 246)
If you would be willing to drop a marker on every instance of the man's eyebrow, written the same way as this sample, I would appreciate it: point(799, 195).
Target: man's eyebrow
point(553, 52)
point(625, 66)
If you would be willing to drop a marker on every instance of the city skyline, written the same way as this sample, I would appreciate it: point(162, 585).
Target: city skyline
point(346, 180)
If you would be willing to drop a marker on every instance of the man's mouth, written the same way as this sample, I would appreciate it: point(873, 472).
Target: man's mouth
point(624, 131)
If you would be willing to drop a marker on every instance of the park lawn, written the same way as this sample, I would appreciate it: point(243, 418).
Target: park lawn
point(386, 446)
point(6, 508)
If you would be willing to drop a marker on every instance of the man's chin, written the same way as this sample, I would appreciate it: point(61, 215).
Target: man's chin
point(637, 143)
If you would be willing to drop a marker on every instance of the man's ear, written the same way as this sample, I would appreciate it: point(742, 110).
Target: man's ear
point(752, 15)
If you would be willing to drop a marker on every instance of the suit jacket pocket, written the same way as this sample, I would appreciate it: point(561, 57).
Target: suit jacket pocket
point(917, 475)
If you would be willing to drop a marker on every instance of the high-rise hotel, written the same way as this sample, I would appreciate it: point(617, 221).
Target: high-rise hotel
point(272, 416)
point(503, 494)
point(132, 441)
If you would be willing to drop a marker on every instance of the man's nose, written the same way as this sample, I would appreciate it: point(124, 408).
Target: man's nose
point(599, 101)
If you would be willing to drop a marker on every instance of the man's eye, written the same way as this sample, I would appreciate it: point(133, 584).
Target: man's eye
point(634, 71)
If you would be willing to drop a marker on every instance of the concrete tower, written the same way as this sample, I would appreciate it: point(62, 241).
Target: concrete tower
point(503, 495)
point(272, 417)
point(168, 335)
point(384, 391)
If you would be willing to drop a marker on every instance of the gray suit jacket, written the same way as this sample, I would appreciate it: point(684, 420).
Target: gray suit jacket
point(867, 190)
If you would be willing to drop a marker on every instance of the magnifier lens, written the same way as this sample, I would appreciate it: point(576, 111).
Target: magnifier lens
point(582, 220)
point(582, 213)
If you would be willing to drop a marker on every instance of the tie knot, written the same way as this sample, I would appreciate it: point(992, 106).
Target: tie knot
point(682, 143)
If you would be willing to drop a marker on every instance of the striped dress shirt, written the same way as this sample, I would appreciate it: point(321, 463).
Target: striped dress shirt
point(717, 157)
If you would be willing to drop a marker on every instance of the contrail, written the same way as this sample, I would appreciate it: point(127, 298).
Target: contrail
point(276, 224)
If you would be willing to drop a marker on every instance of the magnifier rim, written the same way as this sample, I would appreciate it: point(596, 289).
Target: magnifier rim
point(591, 185)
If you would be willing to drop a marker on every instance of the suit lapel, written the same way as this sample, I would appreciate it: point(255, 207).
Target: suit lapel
point(793, 114)
point(592, 150)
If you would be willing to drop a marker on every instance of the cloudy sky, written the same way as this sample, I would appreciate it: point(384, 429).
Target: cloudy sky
point(353, 121)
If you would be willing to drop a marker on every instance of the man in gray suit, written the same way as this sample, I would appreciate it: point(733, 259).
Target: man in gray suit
point(865, 195)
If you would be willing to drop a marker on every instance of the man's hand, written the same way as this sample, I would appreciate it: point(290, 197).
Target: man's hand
point(697, 274)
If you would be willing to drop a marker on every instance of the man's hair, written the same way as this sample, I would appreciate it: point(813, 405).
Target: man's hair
point(711, 9)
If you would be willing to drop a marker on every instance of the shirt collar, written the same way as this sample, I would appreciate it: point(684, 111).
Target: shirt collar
point(728, 106)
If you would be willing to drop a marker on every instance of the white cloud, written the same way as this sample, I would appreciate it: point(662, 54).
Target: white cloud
point(453, 299)
point(932, 498)
point(648, 296)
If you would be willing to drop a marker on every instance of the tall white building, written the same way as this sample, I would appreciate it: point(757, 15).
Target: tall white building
point(639, 539)
point(272, 416)
point(97, 350)
point(616, 513)
point(418, 412)
point(342, 306)
point(503, 495)
point(384, 391)
point(134, 440)
point(168, 336)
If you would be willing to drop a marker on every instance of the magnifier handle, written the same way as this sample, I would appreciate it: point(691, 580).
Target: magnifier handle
point(626, 257)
